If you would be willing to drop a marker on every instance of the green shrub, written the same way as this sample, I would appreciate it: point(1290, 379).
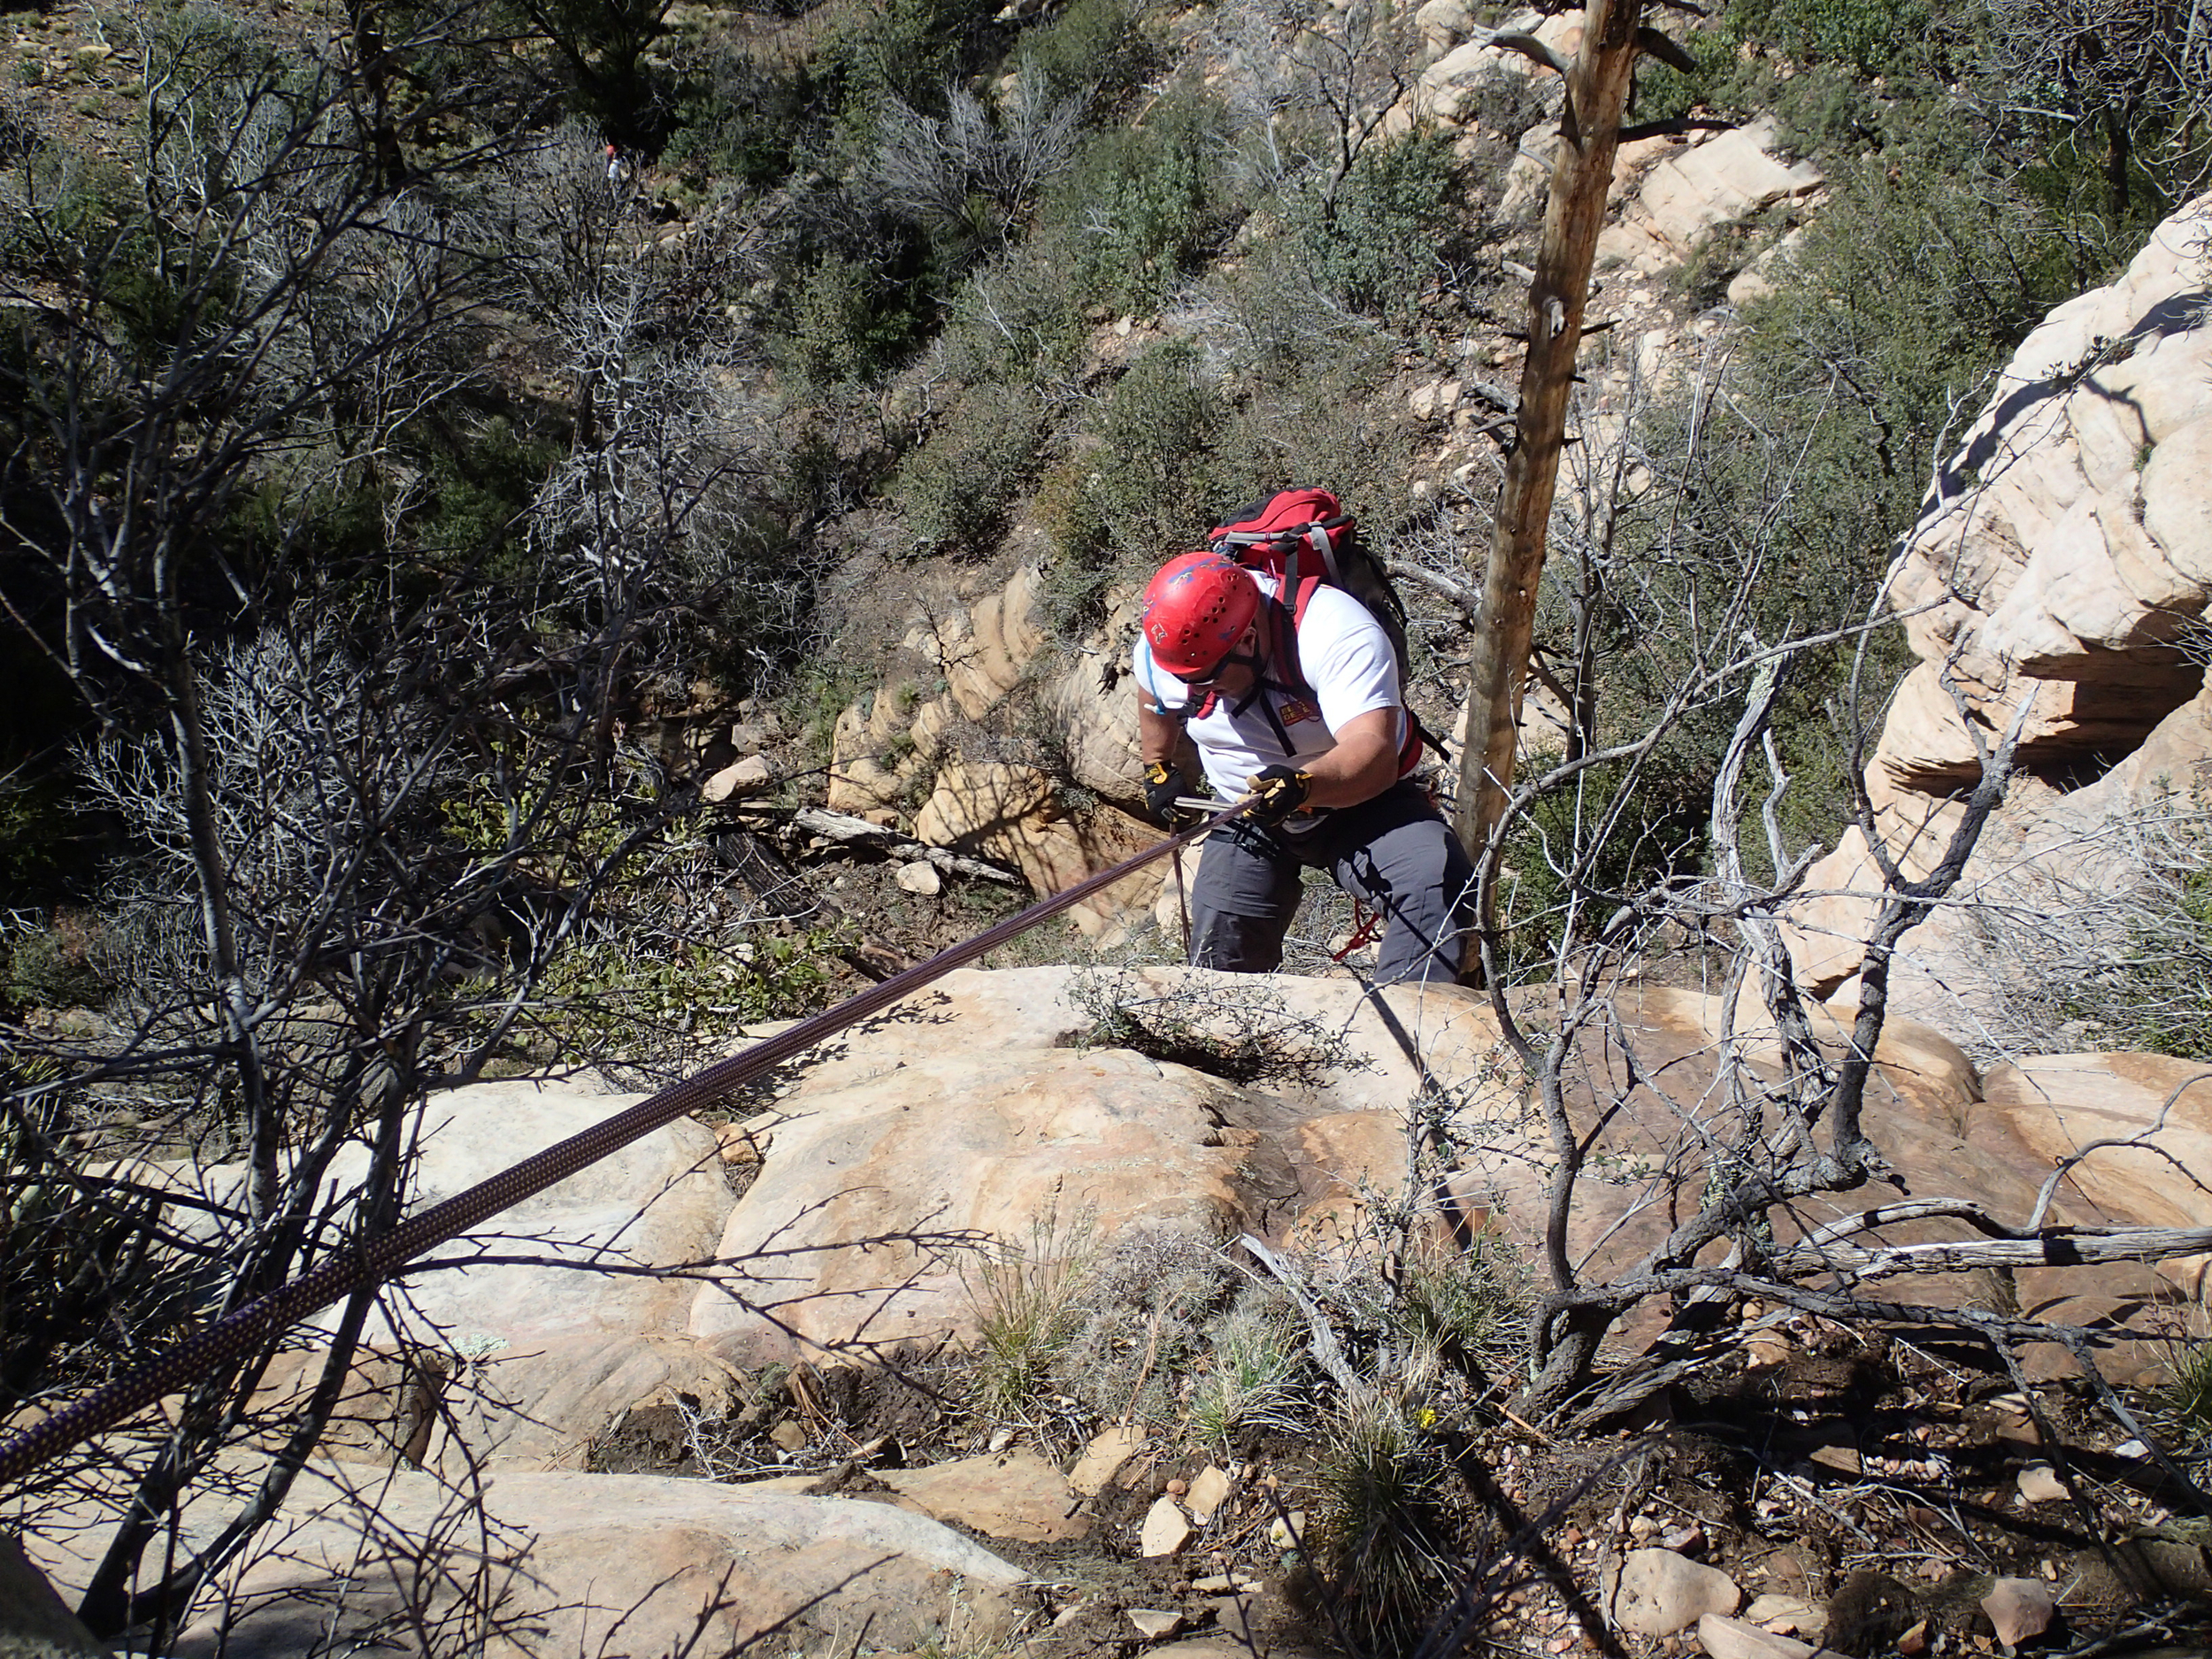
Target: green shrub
point(601, 1001)
point(72, 962)
point(2186, 1402)
point(1144, 481)
point(747, 126)
point(1247, 1037)
point(1142, 1319)
point(1093, 47)
point(1025, 1301)
point(845, 323)
point(907, 51)
point(1382, 1532)
point(1901, 295)
point(1018, 318)
point(1564, 849)
point(1873, 37)
point(1374, 241)
point(1470, 1304)
point(1138, 205)
point(483, 478)
point(1255, 1379)
point(955, 488)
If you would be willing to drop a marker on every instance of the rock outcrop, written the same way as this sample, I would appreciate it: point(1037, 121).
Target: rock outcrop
point(2062, 564)
point(600, 1564)
point(963, 1117)
point(895, 753)
point(965, 1110)
point(1694, 189)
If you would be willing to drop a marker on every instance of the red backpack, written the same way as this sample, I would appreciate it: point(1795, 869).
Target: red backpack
point(1304, 538)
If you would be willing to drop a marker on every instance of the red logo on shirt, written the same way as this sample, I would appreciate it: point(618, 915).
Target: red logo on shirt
point(1293, 709)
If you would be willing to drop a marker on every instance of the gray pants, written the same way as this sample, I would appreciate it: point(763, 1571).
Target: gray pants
point(1395, 853)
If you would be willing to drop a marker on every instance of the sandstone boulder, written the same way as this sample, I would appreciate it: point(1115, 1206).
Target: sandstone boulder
point(1462, 59)
point(1443, 24)
point(2058, 1106)
point(601, 1564)
point(526, 1359)
point(2059, 563)
point(1699, 187)
point(742, 778)
point(959, 1111)
point(1657, 1592)
point(854, 1232)
point(1010, 812)
point(1005, 1495)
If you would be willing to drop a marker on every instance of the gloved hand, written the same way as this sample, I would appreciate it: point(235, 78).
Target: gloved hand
point(1163, 787)
point(1279, 793)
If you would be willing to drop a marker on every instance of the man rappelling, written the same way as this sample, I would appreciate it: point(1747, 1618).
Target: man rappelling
point(1291, 688)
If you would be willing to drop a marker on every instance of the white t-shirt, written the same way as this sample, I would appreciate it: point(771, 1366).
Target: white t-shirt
point(1343, 654)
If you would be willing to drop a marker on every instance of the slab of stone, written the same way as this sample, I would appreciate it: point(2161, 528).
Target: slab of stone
point(1103, 1458)
point(1153, 1623)
point(1787, 1615)
point(1659, 1593)
point(1207, 1493)
point(1013, 1494)
point(593, 1563)
point(920, 876)
point(1725, 1638)
point(945, 1134)
point(2019, 1609)
point(1166, 1530)
point(1843, 1459)
point(749, 776)
point(2040, 1483)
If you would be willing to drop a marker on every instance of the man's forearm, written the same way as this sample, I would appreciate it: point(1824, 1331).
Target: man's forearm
point(1157, 734)
point(1363, 764)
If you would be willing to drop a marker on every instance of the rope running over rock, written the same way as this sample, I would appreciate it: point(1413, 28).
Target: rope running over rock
point(240, 1334)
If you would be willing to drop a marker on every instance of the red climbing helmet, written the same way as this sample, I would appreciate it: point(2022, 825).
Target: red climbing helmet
point(1195, 610)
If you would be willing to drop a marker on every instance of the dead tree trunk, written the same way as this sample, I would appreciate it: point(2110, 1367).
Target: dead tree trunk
point(1597, 92)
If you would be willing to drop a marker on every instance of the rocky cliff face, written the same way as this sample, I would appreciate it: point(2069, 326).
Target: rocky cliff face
point(2063, 561)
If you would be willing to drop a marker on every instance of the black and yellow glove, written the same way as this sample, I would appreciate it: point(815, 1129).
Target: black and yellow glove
point(1277, 791)
point(1163, 788)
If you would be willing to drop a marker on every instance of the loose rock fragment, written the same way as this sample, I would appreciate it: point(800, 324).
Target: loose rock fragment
point(1660, 1592)
point(1166, 1530)
point(1785, 1615)
point(2039, 1483)
point(1207, 1493)
point(1153, 1623)
point(1727, 1637)
point(2018, 1609)
point(1103, 1457)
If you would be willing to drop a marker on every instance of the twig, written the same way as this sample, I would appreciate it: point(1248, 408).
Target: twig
point(1328, 1353)
point(838, 827)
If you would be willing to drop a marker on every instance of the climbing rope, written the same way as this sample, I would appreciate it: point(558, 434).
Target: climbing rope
point(241, 1332)
point(1366, 924)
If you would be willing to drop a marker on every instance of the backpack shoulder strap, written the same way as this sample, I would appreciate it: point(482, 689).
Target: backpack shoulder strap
point(1286, 645)
point(1290, 618)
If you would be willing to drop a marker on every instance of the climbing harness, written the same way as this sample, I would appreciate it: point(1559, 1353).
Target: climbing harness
point(372, 1261)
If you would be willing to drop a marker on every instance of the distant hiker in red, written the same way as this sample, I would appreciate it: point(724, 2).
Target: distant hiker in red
point(1290, 687)
point(620, 172)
